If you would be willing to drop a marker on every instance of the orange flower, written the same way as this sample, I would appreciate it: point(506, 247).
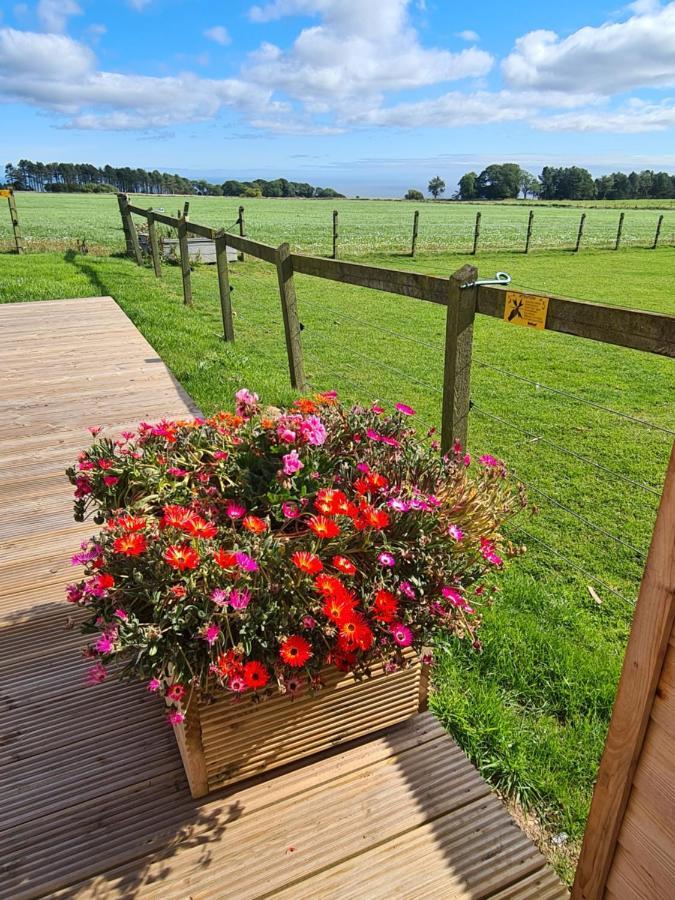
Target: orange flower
point(224, 559)
point(355, 632)
point(305, 406)
point(307, 562)
point(338, 608)
point(254, 524)
point(385, 607)
point(329, 501)
point(375, 518)
point(131, 544)
point(344, 565)
point(324, 528)
point(229, 664)
point(295, 651)
point(329, 585)
point(128, 523)
point(177, 517)
point(200, 528)
point(182, 557)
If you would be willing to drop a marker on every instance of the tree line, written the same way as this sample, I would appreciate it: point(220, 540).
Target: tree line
point(57, 177)
point(508, 181)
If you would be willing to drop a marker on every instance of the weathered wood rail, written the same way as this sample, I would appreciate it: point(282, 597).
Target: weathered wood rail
point(632, 328)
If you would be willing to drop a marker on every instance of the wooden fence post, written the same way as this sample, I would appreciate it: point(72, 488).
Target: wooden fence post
point(580, 233)
point(335, 233)
point(461, 309)
point(529, 231)
point(416, 222)
point(186, 210)
point(242, 229)
point(618, 231)
point(14, 216)
point(476, 234)
point(130, 233)
point(154, 246)
point(289, 308)
point(224, 286)
point(658, 232)
point(185, 262)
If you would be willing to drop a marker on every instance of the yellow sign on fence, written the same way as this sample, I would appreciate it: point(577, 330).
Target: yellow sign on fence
point(525, 309)
point(5, 192)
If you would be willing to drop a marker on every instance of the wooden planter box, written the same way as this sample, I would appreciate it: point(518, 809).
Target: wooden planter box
point(224, 741)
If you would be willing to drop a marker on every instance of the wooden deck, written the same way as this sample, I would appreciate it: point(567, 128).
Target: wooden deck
point(93, 799)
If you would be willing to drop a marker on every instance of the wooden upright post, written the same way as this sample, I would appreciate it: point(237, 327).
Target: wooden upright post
point(14, 216)
point(580, 233)
point(658, 232)
point(224, 286)
point(476, 234)
point(185, 262)
point(618, 231)
point(186, 210)
point(154, 246)
point(461, 310)
point(416, 222)
point(335, 233)
point(242, 229)
point(130, 233)
point(289, 308)
point(529, 231)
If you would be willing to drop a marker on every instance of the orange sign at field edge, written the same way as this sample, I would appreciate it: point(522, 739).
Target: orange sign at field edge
point(525, 309)
point(6, 192)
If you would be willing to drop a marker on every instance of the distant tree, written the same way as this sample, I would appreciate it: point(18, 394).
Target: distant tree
point(436, 186)
point(571, 183)
point(529, 184)
point(414, 195)
point(468, 189)
point(499, 182)
point(252, 191)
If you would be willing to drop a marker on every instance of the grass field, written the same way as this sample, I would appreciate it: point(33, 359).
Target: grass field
point(366, 226)
point(533, 708)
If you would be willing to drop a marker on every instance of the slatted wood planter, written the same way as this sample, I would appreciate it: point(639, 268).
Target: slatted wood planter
point(223, 742)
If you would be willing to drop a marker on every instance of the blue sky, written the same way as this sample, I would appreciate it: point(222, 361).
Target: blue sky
point(368, 96)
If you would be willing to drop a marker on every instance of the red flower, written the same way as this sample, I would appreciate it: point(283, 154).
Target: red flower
point(105, 581)
point(295, 651)
point(177, 517)
point(307, 562)
point(339, 608)
point(229, 664)
point(225, 559)
point(344, 565)
point(329, 585)
point(131, 544)
point(355, 632)
point(175, 692)
point(200, 528)
point(255, 675)
point(324, 528)
point(373, 518)
point(329, 502)
point(385, 607)
point(128, 523)
point(254, 524)
point(182, 557)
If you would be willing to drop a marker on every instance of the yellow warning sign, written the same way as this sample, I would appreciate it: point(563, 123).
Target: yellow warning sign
point(5, 192)
point(525, 309)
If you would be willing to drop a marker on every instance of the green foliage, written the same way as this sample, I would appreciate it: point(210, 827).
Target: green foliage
point(412, 194)
point(499, 182)
point(436, 186)
point(468, 189)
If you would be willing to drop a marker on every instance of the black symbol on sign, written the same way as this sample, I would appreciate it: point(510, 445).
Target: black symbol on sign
point(516, 312)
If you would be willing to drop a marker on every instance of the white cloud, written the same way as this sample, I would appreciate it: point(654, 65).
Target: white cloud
point(219, 34)
point(635, 117)
point(53, 15)
point(614, 57)
point(139, 5)
point(471, 36)
point(34, 59)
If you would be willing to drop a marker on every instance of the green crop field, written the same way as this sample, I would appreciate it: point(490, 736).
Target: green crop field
point(365, 226)
point(587, 426)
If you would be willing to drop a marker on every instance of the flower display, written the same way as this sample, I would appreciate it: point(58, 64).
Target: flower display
point(246, 551)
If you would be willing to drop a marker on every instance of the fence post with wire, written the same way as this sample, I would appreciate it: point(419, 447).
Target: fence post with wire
point(460, 312)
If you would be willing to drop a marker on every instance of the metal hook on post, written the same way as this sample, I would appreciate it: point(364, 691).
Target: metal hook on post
point(500, 278)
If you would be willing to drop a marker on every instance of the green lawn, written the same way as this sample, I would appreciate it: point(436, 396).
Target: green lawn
point(56, 221)
point(532, 710)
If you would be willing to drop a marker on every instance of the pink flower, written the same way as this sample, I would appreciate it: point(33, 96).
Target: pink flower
point(373, 435)
point(97, 674)
point(292, 463)
point(363, 467)
point(286, 435)
point(94, 429)
point(121, 614)
point(487, 460)
point(488, 552)
point(453, 596)
point(402, 635)
point(175, 717)
point(378, 410)
point(426, 659)
point(237, 684)
point(234, 510)
point(457, 447)
point(308, 622)
point(406, 410)
point(154, 685)
point(455, 532)
point(176, 472)
point(398, 505)
point(103, 644)
point(110, 480)
point(247, 403)
point(73, 593)
point(219, 596)
point(390, 441)
point(290, 510)
point(314, 431)
point(466, 459)
point(407, 590)
point(239, 599)
point(210, 633)
point(220, 454)
point(386, 559)
point(246, 562)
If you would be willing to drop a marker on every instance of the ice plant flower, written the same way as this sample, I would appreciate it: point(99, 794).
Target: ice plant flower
point(181, 557)
point(175, 717)
point(402, 635)
point(406, 410)
point(455, 532)
point(210, 633)
point(324, 527)
point(344, 565)
point(234, 510)
point(386, 559)
point(256, 675)
point(219, 596)
point(307, 562)
point(175, 692)
point(246, 562)
point(154, 685)
point(295, 651)
point(239, 598)
point(254, 524)
point(487, 460)
point(292, 463)
point(290, 510)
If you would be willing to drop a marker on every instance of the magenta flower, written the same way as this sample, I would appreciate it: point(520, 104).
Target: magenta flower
point(97, 674)
point(103, 644)
point(406, 410)
point(73, 593)
point(314, 431)
point(246, 562)
point(453, 596)
point(402, 635)
point(219, 596)
point(286, 435)
point(237, 684)
point(175, 717)
point(398, 504)
point(386, 559)
point(378, 410)
point(490, 461)
point(488, 552)
point(239, 599)
point(292, 463)
point(455, 532)
point(210, 633)
point(154, 685)
point(121, 614)
point(373, 435)
point(308, 622)
point(290, 510)
point(363, 467)
point(389, 441)
point(407, 590)
point(176, 472)
point(234, 510)
point(466, 459)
